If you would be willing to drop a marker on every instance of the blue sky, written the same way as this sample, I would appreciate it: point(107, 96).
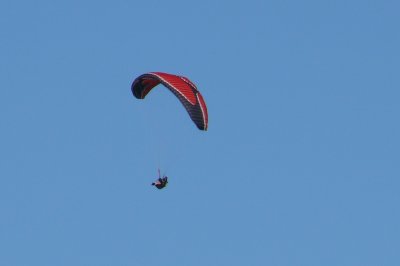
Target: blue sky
point(300, 165)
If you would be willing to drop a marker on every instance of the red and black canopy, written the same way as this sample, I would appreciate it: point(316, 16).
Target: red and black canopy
point(182, 87)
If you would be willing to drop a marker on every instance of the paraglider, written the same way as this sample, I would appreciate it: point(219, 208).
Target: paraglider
point(161, 182)
point(186, 92)
point(181, 87)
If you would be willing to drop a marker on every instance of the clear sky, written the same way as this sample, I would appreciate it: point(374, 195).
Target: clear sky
point(300, 166)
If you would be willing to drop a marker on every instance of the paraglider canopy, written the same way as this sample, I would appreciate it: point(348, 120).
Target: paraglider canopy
point(185, 90)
